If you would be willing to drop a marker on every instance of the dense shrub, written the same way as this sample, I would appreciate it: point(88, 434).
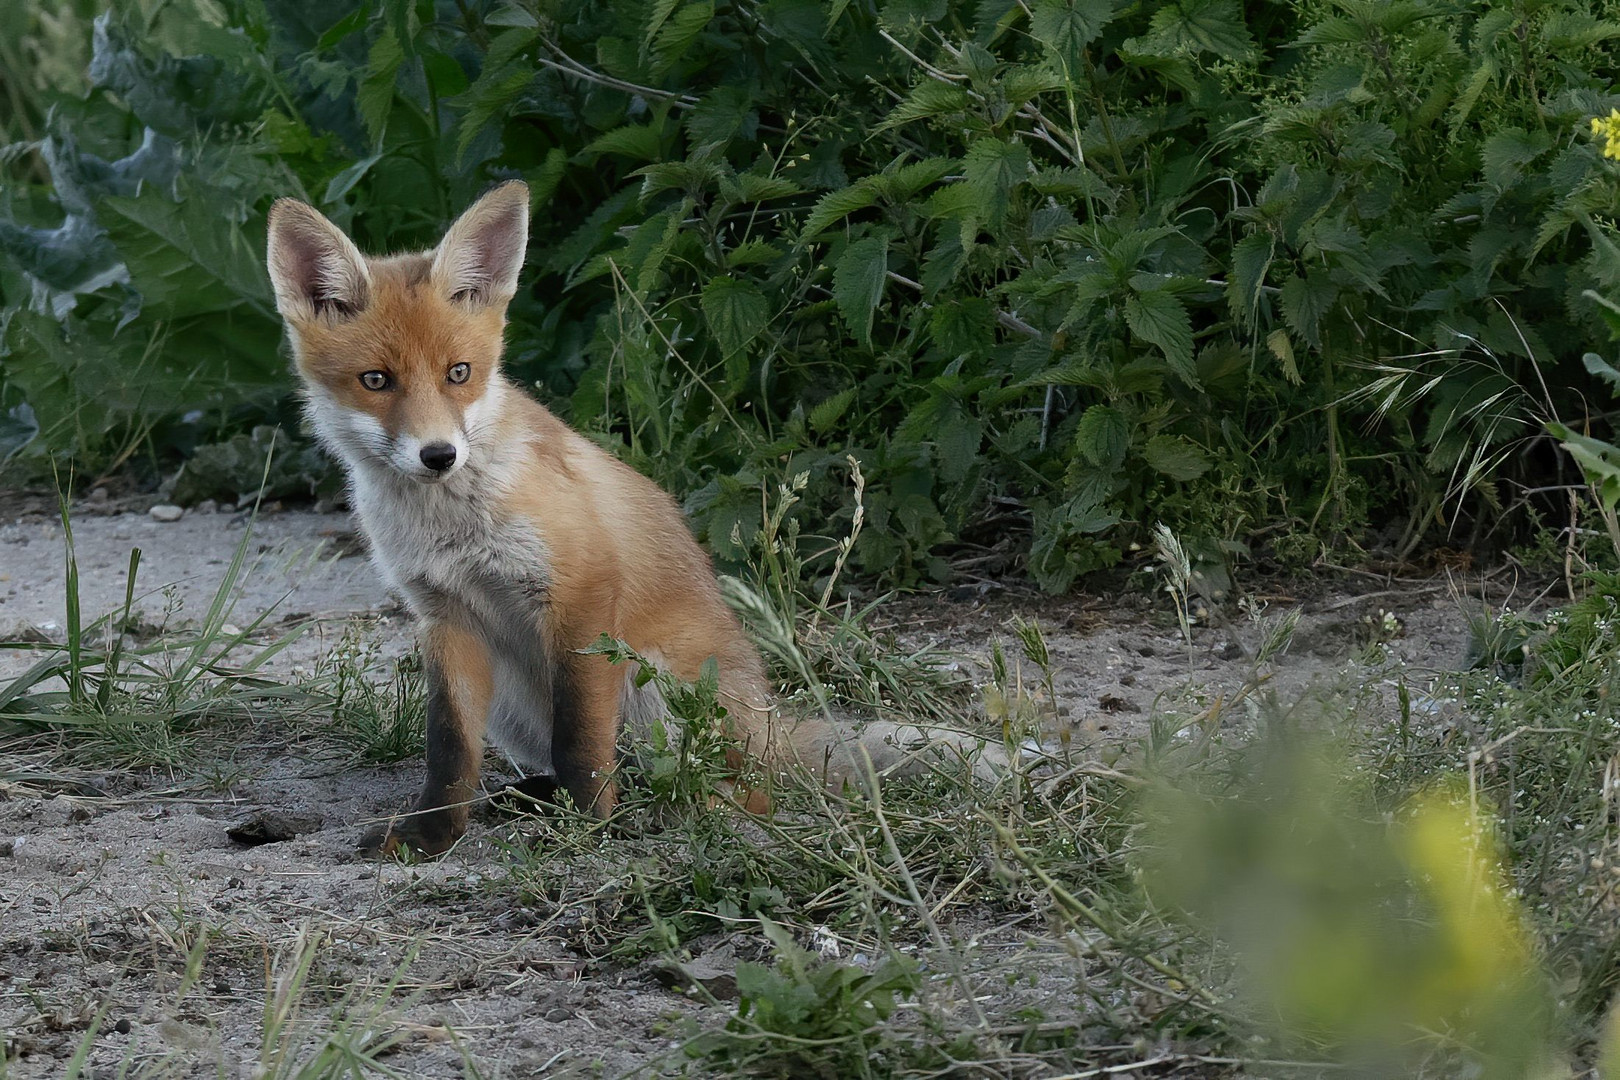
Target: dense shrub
point(1055, 269)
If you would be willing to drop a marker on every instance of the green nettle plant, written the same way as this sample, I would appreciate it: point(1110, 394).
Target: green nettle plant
point(1058, 270)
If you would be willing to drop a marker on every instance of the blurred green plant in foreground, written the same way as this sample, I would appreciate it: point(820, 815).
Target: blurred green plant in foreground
point(1376, 938)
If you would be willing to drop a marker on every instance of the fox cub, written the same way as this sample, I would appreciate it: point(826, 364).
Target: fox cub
point(514, 540)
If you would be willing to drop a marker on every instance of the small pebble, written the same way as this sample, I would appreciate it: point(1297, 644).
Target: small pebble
point(7, 848)
point(97, 496)
point(207, 506)
point(166, 512)
point(227, 508)
point(122, 1027)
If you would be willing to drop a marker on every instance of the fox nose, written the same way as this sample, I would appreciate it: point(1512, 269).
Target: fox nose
point(438, 456)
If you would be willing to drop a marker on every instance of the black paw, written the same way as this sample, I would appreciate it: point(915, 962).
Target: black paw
point(526, 796)
point(411, 836)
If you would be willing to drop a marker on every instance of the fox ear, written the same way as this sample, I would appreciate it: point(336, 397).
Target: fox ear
point(478, 261)
point(315, 269)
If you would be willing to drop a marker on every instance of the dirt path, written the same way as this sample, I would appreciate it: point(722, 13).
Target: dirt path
point(102, 897)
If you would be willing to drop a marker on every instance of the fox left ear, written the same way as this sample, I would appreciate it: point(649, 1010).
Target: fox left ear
point(479, 259)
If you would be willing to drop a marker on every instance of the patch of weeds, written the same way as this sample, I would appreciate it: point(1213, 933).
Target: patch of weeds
point(359, 1029)
point(886, 876)
point(1579, 637)
point(804, 1016)
point(379, 722)
point(685, 759)
point(110, 701)
point(825, 653)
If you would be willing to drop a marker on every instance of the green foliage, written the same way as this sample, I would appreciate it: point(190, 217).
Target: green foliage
point(1102, 264)
point(252, 462)
point(380, 722)
point(684, 756)
point(807, 1017)
point(124, 702)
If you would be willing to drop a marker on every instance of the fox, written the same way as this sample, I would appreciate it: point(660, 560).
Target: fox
point(514, 540)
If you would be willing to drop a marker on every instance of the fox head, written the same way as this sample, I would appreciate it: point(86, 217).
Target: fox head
point(400, 356)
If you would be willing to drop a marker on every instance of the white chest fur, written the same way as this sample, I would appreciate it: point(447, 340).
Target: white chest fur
point(452, 554)
point(449, 540)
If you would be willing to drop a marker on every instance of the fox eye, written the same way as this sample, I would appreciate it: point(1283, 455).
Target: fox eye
point(376, 380)
point(460, 373)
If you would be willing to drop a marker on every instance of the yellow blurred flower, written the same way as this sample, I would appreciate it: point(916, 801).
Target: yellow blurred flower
point(1608, 129)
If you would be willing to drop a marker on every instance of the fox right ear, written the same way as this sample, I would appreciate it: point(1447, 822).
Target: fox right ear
point(315, 269)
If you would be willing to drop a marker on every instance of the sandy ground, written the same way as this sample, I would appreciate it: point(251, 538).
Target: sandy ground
point(102, 897)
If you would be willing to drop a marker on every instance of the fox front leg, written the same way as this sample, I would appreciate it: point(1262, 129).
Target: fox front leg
point(585, 732)
point(460, 683)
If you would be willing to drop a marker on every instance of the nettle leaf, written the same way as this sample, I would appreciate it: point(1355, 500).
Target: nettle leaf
point(1103, 436)
point(503, 77)
point(752, 253)
point(993, 167)
point(723, 114)
point(543, 181)
point(1305, 301)
point(1161, 318)
point(1176, 456)
point(1335, 30)
point(1198, 26)
point(1481, 78)
point(736, 311)
point(829, 412)
point(957, 438)
point(1570, 30)
point(943, 262)
point(752, 187)
point(678, 34)
point(660, 13)
point(1025, 82)
point(1506, 153)
point(375, 98)
point(641, 142)
point(691, 177)
point(1066, 27)
point(967, 327)
point(837, 205)
point(927, 99)
point(1251, 258)
point(904, 182)
point(1283, 349)
point(1086, 514)
point(858, 282)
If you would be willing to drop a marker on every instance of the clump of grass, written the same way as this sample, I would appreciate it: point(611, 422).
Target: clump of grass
point(378, 721)
point(104, 700)
point(825, 655)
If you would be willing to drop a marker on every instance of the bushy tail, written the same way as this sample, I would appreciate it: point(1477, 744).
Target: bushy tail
point(846, 750)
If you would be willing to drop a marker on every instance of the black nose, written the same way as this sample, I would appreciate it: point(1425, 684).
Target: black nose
point(438, 456)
